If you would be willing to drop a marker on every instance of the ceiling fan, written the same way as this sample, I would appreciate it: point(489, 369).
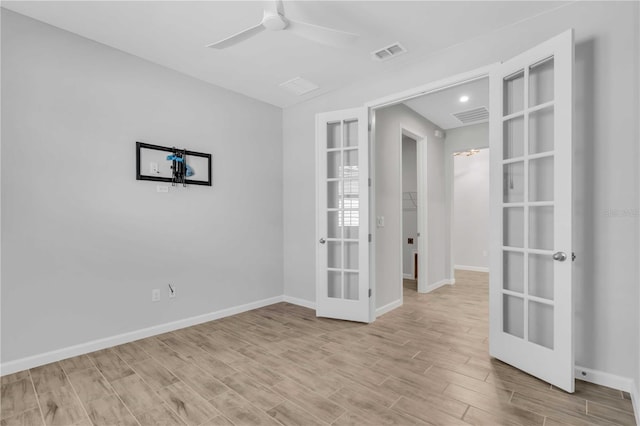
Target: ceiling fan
point(274, 19)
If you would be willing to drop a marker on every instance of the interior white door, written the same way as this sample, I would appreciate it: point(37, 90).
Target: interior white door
point(342, 160)
point(531, 301)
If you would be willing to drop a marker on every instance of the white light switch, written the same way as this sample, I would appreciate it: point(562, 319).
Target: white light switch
point(153, 168)
point(380, 221)
point(162, 188)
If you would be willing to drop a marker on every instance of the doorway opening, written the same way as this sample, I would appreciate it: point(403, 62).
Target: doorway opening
point(435, 146)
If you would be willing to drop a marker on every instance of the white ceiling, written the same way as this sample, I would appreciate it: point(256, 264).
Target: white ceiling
point(174, 34)
point(439, 107)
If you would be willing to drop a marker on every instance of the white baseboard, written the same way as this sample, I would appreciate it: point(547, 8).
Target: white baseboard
point(472, 268)
point(107, 342)
point(408, 276)
point(605, 379)
point(611, 381)
point(437, 285)
point(388, 307)
point(300, 302)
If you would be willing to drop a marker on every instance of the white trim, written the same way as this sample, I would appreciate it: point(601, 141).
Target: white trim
point(472, 268)
point(439, 284)
point(421, 177)
point(107, 342)
point(604, 379)
point(408, 276)
point(450, 81)
point(388, 307)
point(300, 302)
point(611, 381)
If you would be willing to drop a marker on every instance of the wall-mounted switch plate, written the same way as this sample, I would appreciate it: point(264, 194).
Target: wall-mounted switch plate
point(155, 295)
point(162, 188)
point(380, 221)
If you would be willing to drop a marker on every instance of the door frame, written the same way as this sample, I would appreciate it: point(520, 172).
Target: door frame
point(421, 175)
point(396, 98)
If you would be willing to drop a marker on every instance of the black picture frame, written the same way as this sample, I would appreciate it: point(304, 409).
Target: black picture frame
point(171, 150)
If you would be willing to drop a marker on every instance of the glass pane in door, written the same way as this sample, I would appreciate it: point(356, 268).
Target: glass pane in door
point(513, 271)
point(513, 188)
point(541, 179)
point(513, 93)
point(541, 82)
point(334, 284)
point(541, 130)
point(541, 228)
point(541, 276)
point(513, 316)
point(351, 133)
point(513, 138)
point(541, 324)
point(351, 285)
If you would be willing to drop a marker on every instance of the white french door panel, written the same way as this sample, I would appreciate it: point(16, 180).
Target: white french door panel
point(342, 215)
point(531, 296)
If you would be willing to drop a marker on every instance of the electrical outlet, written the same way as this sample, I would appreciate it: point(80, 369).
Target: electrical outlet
point(162, 188)
point(485, 253)
point(172, 291)
point(155, 295)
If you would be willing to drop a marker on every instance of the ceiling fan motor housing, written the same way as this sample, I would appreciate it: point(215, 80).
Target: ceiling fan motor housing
point(273, 21)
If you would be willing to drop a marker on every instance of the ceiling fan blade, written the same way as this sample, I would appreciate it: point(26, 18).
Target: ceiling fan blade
point(321, 35)
point(275, 6)
point(237, 38)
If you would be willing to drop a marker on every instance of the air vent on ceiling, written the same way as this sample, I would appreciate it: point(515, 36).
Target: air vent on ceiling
point(299, 86)
point(388, 52)
point(472, 115)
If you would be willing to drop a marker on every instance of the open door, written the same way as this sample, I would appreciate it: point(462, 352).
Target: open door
point(531, 298)
point(342, 175)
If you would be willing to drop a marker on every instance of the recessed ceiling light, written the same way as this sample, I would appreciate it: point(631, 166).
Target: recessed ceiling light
point(464, 98)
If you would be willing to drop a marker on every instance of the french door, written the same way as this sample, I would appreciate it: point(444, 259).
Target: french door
point(531, 298)
point(342, 287)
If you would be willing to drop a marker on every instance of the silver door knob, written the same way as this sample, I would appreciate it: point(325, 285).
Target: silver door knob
point(322, 241)
point(560, 256)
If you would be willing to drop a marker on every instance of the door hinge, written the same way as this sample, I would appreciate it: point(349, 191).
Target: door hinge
point(370, 292)
point(369, 126)
point(369, 181)
point(369, 237)
point(573, 257)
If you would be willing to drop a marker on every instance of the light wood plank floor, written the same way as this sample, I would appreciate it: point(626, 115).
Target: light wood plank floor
point(424, 363)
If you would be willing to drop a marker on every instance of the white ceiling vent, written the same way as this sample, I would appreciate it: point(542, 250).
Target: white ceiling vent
point(299, 86)
point(472, 115)
point(388, 52)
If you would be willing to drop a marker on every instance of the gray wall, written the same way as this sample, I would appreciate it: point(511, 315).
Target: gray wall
point(606, 172)
point(461, 139)
point(83, 242)
point(388, 183)
point(409, 212)
point(471, 210)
